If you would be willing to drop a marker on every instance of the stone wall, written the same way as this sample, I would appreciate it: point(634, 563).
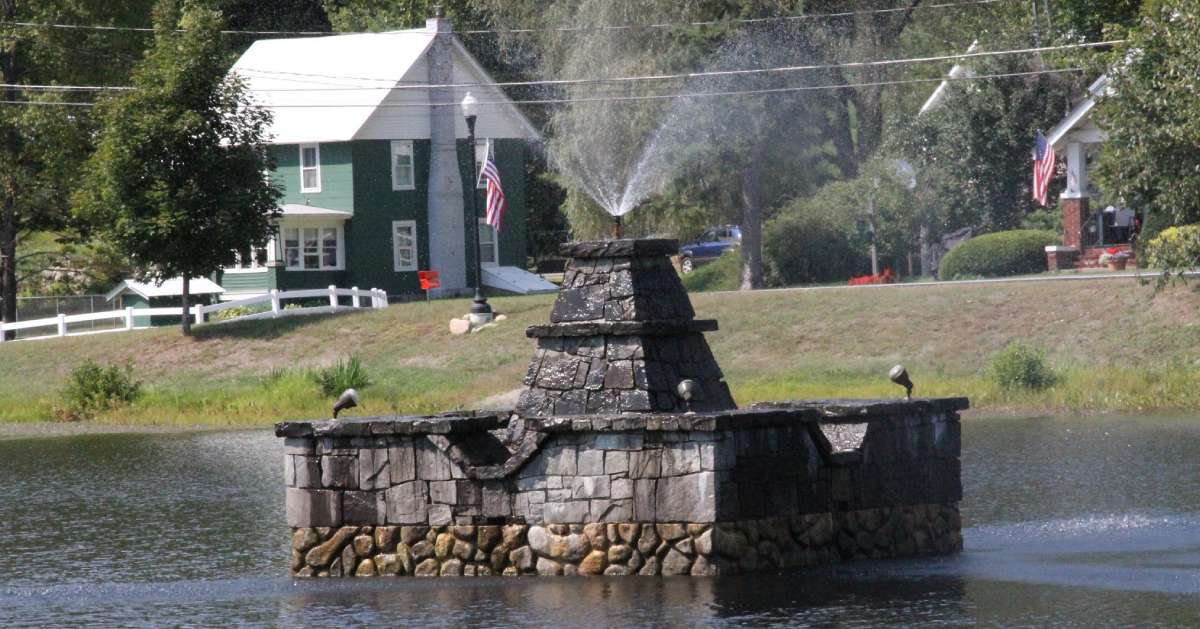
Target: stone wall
point(627, 548)
point(842, 479)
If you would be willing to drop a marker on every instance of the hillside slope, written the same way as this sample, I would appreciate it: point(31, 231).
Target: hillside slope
point(1117, 347)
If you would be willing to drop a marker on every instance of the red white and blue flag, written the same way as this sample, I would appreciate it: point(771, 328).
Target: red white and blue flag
point(495, 192)
point(1043, 168)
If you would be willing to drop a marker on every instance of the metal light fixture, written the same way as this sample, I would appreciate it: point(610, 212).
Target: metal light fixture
point(688, 390)
point(470, 111)
point(348, 399)
point(899, 375)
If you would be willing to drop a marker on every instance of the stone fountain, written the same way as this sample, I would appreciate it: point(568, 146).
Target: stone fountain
point(624, 455)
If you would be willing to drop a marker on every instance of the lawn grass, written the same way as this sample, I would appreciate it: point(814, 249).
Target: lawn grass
point(1113, 346)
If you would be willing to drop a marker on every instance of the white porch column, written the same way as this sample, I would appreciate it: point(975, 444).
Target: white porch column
point(1077, 177)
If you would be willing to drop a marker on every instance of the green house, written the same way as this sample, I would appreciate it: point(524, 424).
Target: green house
point(371, 150)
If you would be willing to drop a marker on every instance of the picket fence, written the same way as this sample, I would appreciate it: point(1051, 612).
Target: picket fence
point(373, 298)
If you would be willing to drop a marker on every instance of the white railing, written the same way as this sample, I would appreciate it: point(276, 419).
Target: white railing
point(373, 298)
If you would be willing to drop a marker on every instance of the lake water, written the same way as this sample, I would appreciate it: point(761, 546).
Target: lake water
point(1068, 521)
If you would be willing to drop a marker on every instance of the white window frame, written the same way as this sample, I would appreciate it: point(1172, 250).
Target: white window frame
point(404, 147)
point(339, 256)
point(480, 184)
point(416, 252)
point(315, 168)
point(254, 267)
point(484, 227)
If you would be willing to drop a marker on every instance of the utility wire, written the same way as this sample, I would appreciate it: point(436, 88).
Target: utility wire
point(568, 82)
point(642, 97)
point(560, 29)
point(686, 75)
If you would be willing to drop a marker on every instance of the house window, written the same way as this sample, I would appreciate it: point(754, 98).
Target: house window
point(312, 248)
point(310, 168)
point(404, 245)
point(489, 245)
point(481, 147)
point(402, 165)
point(243, 261)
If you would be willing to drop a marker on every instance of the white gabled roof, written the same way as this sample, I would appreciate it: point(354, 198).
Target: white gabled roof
point(338, 88)
point(167, 288)
point(1078, 117)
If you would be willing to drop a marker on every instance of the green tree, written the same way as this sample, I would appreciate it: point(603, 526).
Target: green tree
point(177, 180)
point(1152, 115)
point(971, 154)
point(42, 140)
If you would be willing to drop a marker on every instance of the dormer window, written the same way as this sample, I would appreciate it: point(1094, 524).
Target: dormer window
point(310, 168)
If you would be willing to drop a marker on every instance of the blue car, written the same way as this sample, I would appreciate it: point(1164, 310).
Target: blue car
point(709, 246)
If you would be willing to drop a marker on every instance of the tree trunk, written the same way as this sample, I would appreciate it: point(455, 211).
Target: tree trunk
point(8, 214)
point(184, 299)
point(752, 268)
point(8, 265)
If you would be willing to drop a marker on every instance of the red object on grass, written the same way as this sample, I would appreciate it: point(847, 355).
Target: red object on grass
point(429, 279)
point(886, 277)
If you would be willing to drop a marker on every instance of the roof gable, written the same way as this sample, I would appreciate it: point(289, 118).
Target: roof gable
point(340, 88)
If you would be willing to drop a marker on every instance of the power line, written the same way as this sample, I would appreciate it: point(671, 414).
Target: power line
point(688, 75)
point(518, 31)
point(643, 97)
point(567, 82)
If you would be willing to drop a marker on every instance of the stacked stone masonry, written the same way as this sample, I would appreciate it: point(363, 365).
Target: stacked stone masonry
point(627, 548)
point(622, 336)
point(873, 480)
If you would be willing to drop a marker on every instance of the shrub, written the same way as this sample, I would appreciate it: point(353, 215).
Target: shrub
point(238, 311)
point(724, 273)
point(803, 249)
point(1020, 366)
point(342, 375)
point(998, 254)
point(94, 387)
point(1174, 249)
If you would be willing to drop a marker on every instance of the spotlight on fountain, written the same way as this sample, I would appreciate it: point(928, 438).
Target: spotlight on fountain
point(688, 390)
point(348, 399)
point(899, 375)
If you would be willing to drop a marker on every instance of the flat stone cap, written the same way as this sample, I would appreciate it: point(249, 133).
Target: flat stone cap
point(654, 327)
point(624, 248)
point(856, 409)
point(443, 424)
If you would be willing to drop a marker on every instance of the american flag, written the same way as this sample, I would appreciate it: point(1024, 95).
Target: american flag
point(1043, 168)
point(495, 192)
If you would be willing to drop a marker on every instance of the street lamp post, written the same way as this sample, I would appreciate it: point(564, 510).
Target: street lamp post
point(470, 110)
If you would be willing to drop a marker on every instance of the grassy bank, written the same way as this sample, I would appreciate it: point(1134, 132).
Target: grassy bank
point(1114, 347)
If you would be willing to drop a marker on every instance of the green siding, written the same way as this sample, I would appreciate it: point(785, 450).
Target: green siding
point(296, 280)
point(337, 176)
point(369, 234)
point(246, 282)
point(357, 176)
point(510, 160)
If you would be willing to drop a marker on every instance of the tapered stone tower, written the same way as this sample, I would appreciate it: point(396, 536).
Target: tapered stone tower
point(621, 338)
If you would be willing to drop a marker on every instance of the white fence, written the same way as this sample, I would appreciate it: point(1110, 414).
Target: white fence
point(373, 298)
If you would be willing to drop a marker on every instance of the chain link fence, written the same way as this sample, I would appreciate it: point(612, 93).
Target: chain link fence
point(30, 308)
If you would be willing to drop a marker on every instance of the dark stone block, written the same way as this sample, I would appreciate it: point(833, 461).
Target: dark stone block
point(364, 508)
point(635, 400)
point(619, 375)
point(558, 372)
point(571, 403)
